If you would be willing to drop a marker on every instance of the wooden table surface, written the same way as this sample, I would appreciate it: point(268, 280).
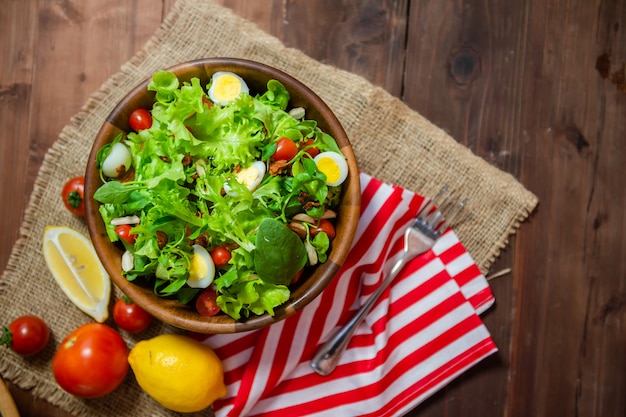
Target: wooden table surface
point(536, 88)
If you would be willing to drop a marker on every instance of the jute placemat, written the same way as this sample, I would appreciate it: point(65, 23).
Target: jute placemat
point(391, 142)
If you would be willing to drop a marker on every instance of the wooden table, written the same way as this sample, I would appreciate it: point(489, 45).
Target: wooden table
point(536, 88)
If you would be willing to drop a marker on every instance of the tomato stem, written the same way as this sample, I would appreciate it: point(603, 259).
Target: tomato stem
point(74, 199)
point(7, 337)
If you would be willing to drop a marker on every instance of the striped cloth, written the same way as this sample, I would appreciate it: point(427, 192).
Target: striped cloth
point(421, 334)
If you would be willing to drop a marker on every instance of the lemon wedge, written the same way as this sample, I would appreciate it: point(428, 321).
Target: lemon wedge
point(73, 262)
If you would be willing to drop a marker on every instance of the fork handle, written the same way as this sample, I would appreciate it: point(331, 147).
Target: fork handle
point(326, 359)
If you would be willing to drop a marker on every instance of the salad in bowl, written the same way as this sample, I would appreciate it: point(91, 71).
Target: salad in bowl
point(223, 195)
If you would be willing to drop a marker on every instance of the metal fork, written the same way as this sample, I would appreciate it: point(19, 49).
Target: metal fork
point(419, 237)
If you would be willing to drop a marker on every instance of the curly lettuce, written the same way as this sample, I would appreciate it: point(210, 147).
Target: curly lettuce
point(182, 166)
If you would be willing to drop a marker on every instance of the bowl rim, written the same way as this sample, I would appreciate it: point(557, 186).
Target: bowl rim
point(160, 307)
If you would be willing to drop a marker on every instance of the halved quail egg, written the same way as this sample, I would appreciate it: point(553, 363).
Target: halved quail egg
point(334, 166)
point(226, 86)
point(251, 176)
point(201, 268)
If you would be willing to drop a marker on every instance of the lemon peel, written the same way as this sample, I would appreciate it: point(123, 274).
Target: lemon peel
point(76, 268)
point(178, 372)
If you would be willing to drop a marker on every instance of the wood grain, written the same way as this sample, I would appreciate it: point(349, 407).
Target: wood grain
point(536, 88)
point(517, 82)
point(365, 37)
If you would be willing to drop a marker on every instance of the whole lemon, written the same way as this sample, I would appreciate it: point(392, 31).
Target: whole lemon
point(178, 372)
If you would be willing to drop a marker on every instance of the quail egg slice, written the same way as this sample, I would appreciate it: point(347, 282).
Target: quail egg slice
point(252, 176)
point(226, 86)
point(201, 268)
point(334, 166)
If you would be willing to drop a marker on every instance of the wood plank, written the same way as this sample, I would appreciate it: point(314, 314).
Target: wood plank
point(17, 23)
point(365, 37)
point(578, 147)
point(516, 82)
point(571, 336)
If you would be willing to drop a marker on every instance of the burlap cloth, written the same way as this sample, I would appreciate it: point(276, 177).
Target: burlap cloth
point(391, 142)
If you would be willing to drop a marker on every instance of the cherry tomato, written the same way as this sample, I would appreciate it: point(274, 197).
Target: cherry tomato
point(297, 276)
point(123, 231)
point(91, 361)
point(130, 317)
point(140, 119)
point(206, 303)
point(220, 255)
point(313, 151)
point(327, 227)
point(73, 195)
point(286, 149)
point(26, 335)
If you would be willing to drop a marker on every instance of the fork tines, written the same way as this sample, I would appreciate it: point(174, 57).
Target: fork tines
point(442, 209)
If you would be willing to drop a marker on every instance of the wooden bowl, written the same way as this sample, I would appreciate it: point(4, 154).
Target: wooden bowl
point(310, 285)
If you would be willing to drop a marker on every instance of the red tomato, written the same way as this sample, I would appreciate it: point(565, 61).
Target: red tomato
point(220, 255)
point(26, 335)
point(91, 361)
point(206, 303)
point(130, 317)
point(297, 276)
point(313, 151)
point(286, 149)
point(73, 195)
point(123, 231)
point(140, 119)
point(327, 227)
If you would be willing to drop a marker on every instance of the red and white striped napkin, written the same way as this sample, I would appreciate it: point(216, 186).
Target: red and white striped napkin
point(423, 333)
